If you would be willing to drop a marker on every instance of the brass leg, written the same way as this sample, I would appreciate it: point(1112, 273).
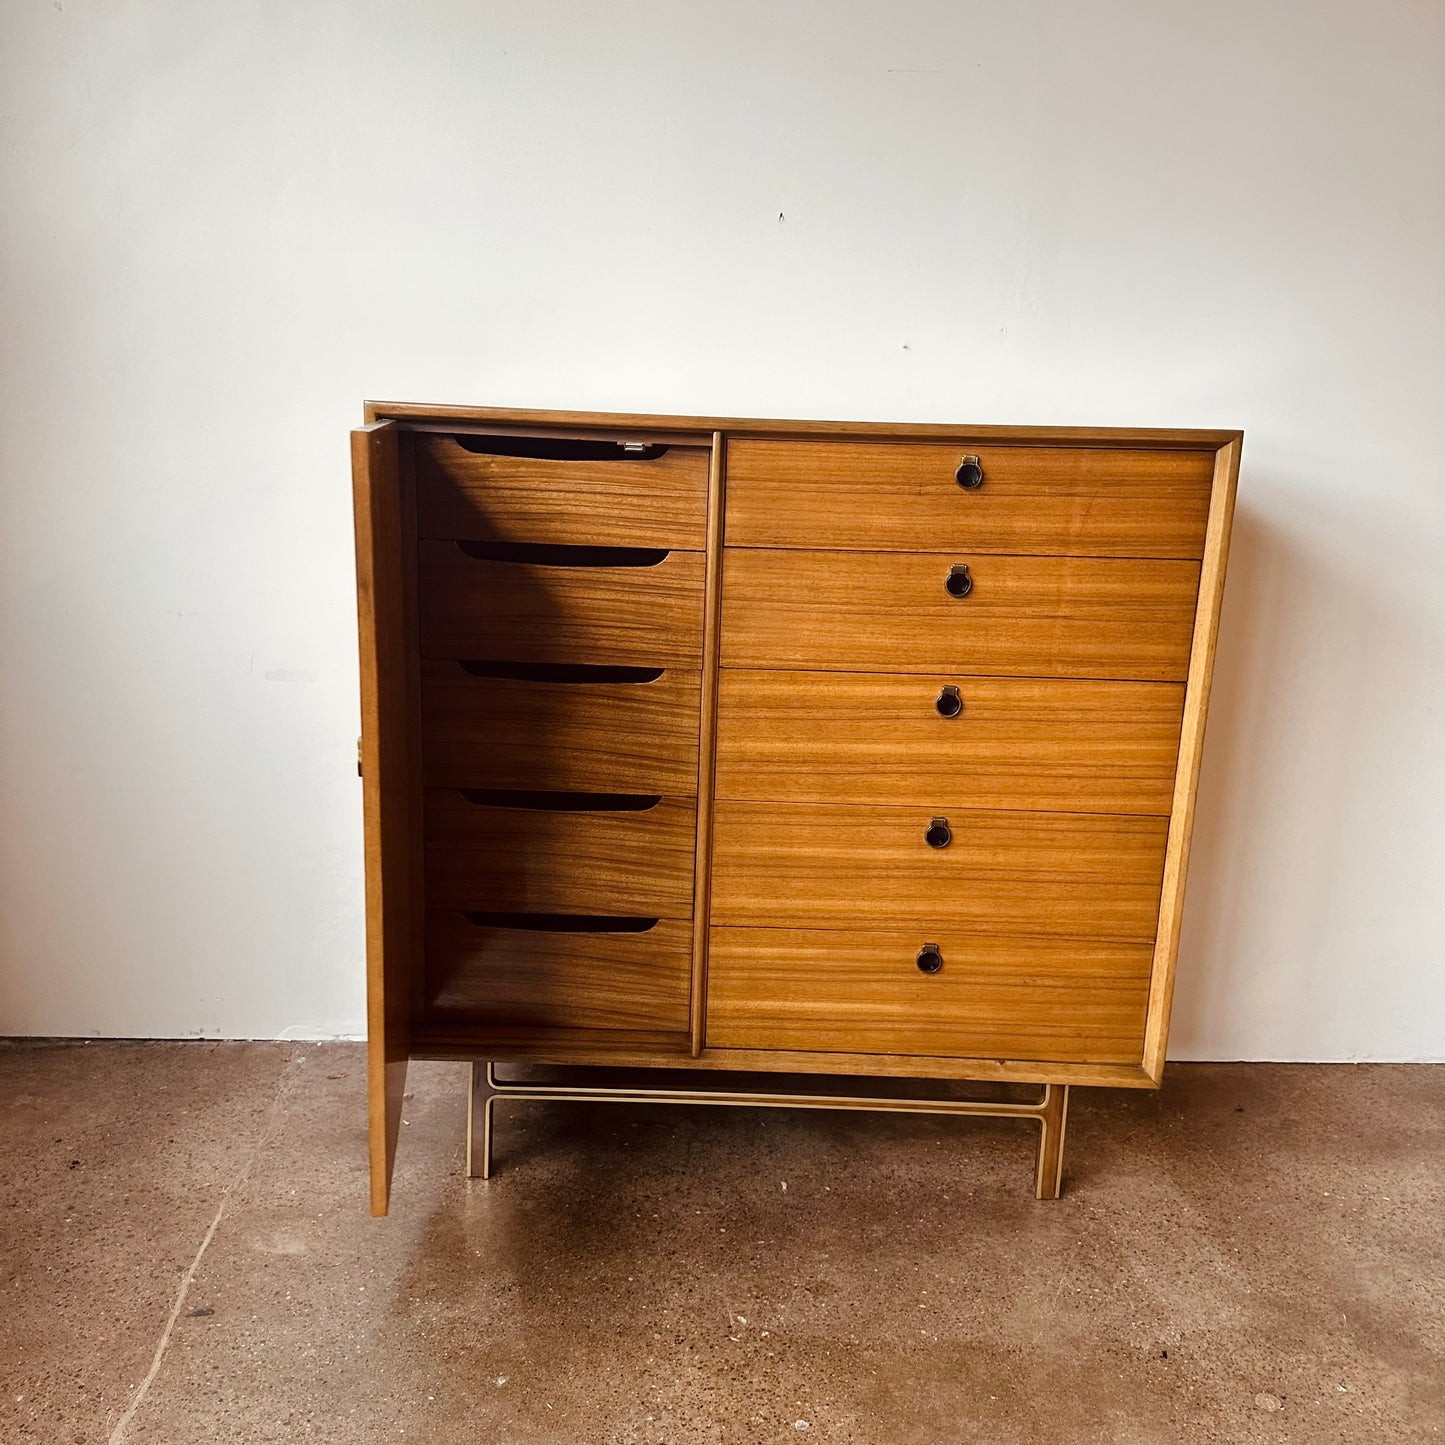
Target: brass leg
point(1053, 1119)
point(481, 1097)
point(1051, 1112)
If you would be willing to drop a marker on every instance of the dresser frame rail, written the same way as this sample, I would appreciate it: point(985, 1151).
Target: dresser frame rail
point(1051, 1112)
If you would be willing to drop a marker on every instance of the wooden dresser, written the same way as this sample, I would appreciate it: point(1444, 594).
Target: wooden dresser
point(748, 748)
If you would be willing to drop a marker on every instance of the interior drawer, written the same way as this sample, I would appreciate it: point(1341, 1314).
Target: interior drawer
point(1080, 501)
point(560, 852)
point(863, 992)
point(1073, 875)
point(475, 606)
point(558, 972)
point(540, 489)
point(1021, 616)
point(948, 740)
point(558, 726)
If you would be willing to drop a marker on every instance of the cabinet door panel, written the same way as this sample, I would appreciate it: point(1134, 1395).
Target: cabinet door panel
point(390, 782)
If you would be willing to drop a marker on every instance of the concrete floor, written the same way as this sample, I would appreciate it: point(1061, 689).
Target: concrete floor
point(1256, 1254)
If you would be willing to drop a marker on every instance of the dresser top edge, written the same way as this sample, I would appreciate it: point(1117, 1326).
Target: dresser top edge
point(1210, 439)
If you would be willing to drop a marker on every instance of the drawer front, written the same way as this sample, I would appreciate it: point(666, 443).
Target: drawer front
point(991, 997)
point(1021, 616)
point(1072, 875)
point(606, 495)
point(513, 973)
point(1079, 501)
point(948, 741)
point(561, 728)
point(475, 608)
point(557, 859)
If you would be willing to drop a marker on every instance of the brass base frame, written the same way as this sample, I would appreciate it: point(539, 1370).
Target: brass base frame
point(1051, 1112)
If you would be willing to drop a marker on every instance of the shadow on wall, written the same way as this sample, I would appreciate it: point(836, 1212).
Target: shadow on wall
point(1283, 953)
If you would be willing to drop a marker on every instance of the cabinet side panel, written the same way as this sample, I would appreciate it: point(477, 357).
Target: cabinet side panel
point(387, 786)
point(1191, 741)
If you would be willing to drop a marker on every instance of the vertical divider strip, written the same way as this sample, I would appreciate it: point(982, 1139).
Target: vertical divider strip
point(706, 750)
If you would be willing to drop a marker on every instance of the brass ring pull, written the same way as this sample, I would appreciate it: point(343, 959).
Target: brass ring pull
point(969, 475)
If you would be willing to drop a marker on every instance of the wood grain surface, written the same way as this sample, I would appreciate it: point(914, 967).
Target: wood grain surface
point(389, 786)
point(847, 737)
point(790, 921)
point(1186, 785)
point(707, 753)
point(1058, 501)
point(533, 979)
point(1025, 616)
point(635, 1049)
point(860, 990)
point(657, 502)
point(527, 860)
point(494, 732)
point(1077, 875)
point(646, 616)
point(563, 422)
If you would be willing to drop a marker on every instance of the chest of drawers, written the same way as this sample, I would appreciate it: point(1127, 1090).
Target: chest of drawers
point(753, 747)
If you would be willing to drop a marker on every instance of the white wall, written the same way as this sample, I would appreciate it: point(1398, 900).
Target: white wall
point(225, 225)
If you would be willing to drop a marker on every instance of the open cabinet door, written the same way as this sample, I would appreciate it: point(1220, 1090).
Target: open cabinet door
point(389, 783)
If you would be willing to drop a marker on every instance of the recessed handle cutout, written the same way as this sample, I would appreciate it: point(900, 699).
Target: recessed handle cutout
point(563, 554)
point(559, 449)
point(584, 672)
point(563, 922)
point(550, 802)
